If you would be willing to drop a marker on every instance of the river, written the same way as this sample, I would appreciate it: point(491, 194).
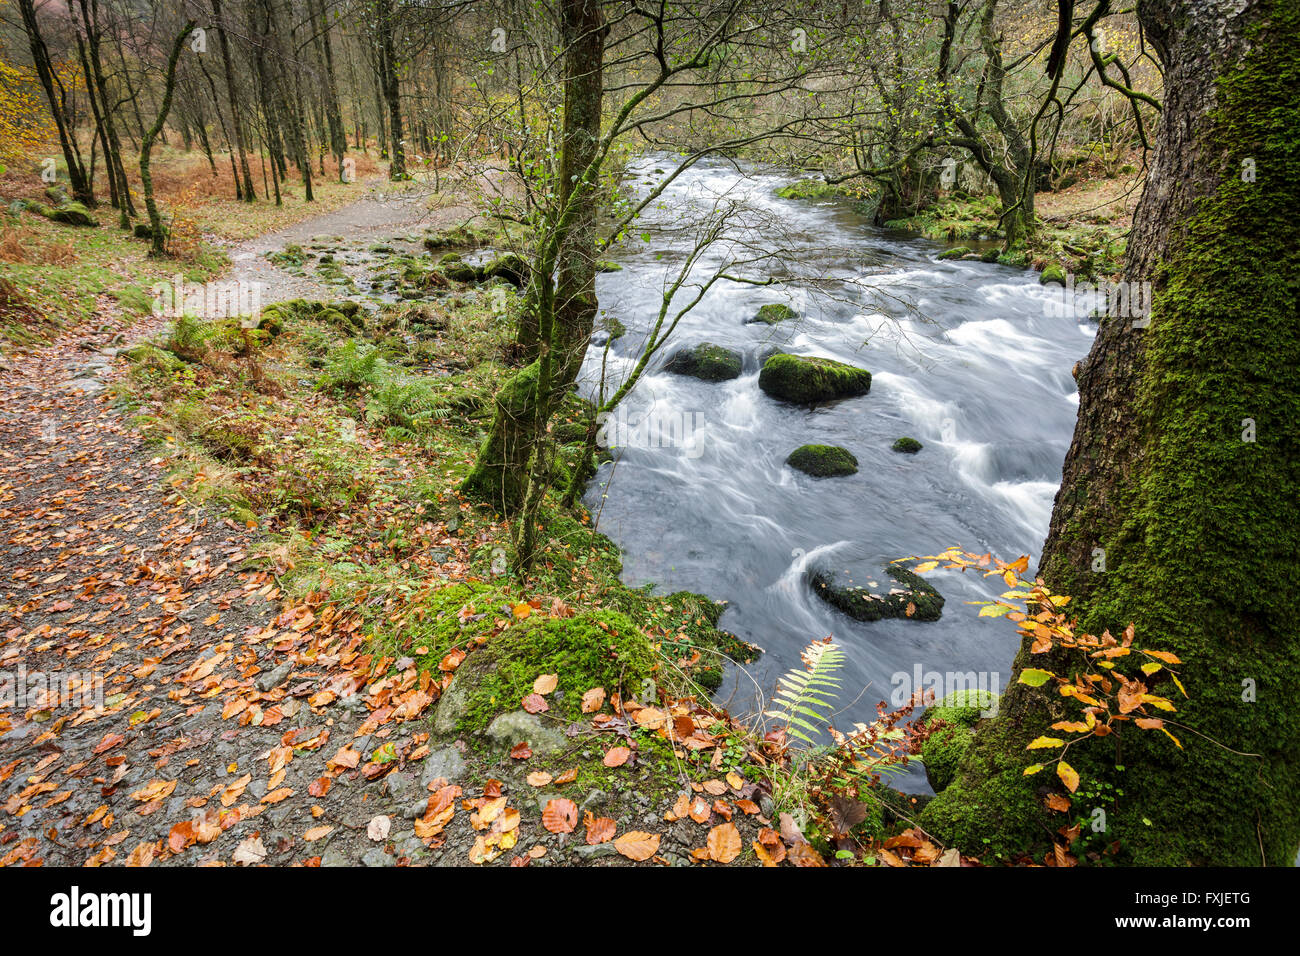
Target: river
point(969, 358)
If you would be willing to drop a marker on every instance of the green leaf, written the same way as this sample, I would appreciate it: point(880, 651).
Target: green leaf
point(1035, 677)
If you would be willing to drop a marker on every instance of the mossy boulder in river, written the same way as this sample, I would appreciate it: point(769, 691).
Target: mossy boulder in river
point(865, 604)
point(908, 446)
point(712, 363)
point(956, 252)
point(774, 312)
point(952, 723)
point(823, 461)
point(797, 378)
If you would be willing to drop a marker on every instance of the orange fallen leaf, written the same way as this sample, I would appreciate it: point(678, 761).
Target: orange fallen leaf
point(599, 829)
point(723, 843)
point(637, 845)
point(560, 815)
point(546, 683)
point(616, 756)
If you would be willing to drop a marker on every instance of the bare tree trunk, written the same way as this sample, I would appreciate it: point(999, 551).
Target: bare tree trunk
point(146, 148)
point(83, 188)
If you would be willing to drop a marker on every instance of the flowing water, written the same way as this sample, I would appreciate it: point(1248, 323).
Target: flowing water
point(971, 359)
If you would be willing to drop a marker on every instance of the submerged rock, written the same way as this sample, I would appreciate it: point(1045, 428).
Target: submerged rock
point(804, 380)
point(712, 363)
point(863, 604)
point(823, 461)
point(908, 446)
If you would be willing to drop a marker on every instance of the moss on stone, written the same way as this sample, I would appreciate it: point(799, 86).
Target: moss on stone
point(712, 363)
point(596, 649)
point(956, 252)
point(149, 357)
point(1053, 273)
point(774, 312)
point(942, 753)
point(804, 380)
point(864, 604)
point(823, 461)
point(73, 214)
point(908, 446)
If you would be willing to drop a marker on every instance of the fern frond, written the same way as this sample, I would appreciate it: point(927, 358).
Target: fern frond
point(800, 701)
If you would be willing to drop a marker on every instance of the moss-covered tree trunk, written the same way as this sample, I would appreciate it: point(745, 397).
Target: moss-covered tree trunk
point(1183, 480)
point(560, 306)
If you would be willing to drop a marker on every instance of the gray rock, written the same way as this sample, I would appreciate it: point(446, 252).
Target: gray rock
point(403, 787)
point(452, 706)
point(376, 857)
point(518, 726)
point(268, 680)
point(443, 762)
point(335, 856)
point(594, 852)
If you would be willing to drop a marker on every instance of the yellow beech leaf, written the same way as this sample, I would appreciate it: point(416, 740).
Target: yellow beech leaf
point(1068, 776)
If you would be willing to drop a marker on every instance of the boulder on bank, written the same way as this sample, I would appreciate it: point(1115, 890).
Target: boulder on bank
point(952, 723)
point(772, 313)
point(1053, 273)
point(863, 604)
point(804, 380)
point(711, 363)
point(823, 461)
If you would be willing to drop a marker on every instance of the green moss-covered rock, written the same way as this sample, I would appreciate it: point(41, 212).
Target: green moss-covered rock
point(964, 707)
point(712, 363)
point(951, 723)
point(864, 604)
point(908, 446)
point(510, 267)
point(796, 378)
point(956, 252)
point(774, 312)
point(73, 214)
point(271, 321)
point(456, 271)
point(823, 461)
point(150, 357)
point(597, 649)
point(941, 753)
point(1053, 273)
